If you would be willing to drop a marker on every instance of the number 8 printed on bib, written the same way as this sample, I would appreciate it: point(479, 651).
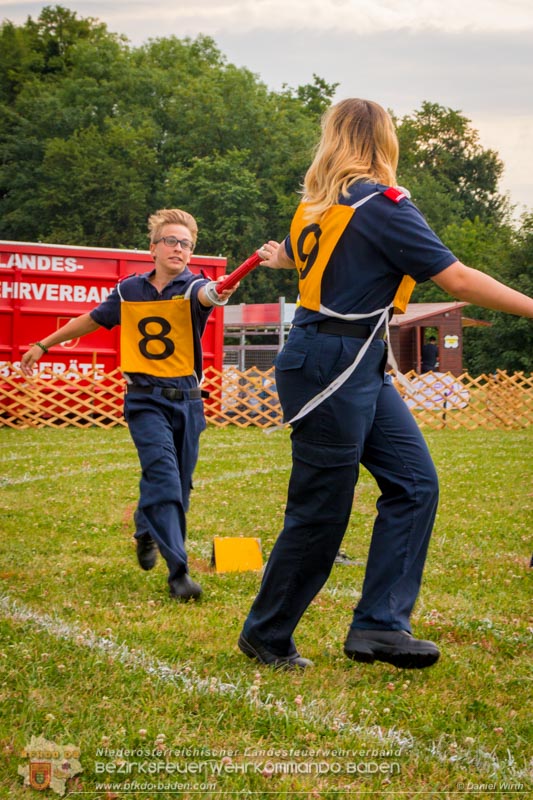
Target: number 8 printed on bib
point(156, 338)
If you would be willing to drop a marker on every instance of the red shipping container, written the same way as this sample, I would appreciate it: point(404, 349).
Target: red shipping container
point(42, 286)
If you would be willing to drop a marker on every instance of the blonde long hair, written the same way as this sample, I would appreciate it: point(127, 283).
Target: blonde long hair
point(358, 143)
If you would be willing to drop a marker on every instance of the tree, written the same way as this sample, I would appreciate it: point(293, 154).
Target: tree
point(46, 47)
point(94, 186)
point(60, 88)
point(478, 244)
point(95, 135)
point(454, 182)
point(193, 113)
point(316, 96)
point(508, 343)
point(450, 176)
point(225, 197)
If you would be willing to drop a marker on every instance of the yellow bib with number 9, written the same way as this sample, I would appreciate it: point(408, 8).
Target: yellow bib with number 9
point(313, 244)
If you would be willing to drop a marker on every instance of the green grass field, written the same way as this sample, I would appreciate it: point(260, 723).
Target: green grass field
point(153, 697)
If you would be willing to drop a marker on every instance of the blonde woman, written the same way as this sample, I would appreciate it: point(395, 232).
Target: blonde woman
point(359, 245)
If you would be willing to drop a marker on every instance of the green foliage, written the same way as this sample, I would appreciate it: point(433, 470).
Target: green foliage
point(225, 197)
point(481, 245)
point(317, 96)
point(95, 135)
point(508, 344)
point(47, 49)
point(441, 155)
point(454, 182)
point(97, 182)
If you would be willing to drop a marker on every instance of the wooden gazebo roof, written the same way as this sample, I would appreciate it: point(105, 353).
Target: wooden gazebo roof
point(420, 313)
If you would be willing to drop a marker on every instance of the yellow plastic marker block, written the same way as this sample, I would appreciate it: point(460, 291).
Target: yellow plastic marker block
point(237, 554)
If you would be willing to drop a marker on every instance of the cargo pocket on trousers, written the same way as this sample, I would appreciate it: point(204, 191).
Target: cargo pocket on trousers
point(289, 359)
point(290, 381)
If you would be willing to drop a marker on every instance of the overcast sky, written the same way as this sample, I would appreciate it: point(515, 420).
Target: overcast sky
point(470, 55)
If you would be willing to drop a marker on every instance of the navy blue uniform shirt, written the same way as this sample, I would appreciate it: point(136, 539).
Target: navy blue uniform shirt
point(138, 287)
point(383, 242)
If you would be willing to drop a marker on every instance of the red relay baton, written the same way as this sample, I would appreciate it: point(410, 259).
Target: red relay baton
point(212, 289)
point(246, 267)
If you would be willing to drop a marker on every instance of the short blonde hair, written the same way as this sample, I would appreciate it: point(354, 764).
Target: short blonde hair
point(171, 216)
point(358, 143)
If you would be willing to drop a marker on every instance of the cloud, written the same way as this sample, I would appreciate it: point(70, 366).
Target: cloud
point(140, 18)
point(471, 73)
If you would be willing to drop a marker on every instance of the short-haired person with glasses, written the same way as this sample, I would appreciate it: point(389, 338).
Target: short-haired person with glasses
point(163, 404)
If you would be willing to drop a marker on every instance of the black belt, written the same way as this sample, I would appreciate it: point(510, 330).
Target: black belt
point(349, 329)
point(168, 393)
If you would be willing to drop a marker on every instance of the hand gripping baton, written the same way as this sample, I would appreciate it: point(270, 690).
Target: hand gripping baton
point(213, 288)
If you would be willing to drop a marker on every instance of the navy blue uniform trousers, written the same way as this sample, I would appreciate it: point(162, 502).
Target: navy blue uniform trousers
point(166, 434)
point(365, 421)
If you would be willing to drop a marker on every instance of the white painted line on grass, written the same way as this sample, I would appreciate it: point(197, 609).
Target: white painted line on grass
point(23, 455)
point(246, 473)
point(59, 475)
point(185, 678)
point(444, 749)
point(96, 470)
point(180, 675)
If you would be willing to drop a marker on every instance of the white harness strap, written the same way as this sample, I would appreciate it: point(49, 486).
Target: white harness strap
point(186, 296)
point(383, 318)
point(343, 377)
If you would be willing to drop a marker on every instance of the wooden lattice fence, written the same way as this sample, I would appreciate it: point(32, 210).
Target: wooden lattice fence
point(249, 398)
point(71, 398)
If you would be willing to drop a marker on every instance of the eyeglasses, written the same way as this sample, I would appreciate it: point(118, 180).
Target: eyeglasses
point(171, 241)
